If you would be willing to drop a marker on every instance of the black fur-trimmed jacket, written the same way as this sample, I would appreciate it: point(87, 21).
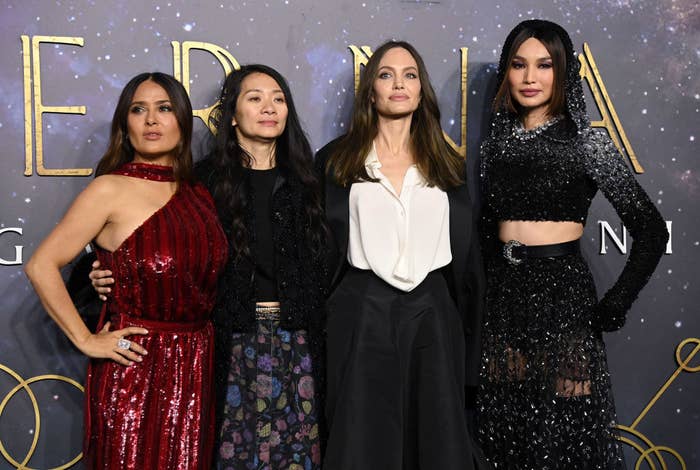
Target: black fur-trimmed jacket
point(302, 281)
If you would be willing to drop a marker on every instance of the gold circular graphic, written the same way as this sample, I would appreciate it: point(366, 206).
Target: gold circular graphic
point(23, 384)
point(684, 363)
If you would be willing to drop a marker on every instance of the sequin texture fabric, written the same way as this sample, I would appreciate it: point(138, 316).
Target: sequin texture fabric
point(544, 398)
point(159, 413)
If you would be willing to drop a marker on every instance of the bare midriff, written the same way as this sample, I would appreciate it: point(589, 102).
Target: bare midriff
point(531, 232)
point(267, 304)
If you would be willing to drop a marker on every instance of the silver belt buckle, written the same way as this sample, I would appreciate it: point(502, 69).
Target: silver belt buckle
point(508, 252)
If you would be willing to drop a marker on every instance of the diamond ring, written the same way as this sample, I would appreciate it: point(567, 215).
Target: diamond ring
point(123, 344)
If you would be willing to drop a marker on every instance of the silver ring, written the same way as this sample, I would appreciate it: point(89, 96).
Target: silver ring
point(123, 344)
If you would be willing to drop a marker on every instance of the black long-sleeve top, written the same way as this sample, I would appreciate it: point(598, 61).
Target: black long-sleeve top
point(302, 276)
point(552, 174)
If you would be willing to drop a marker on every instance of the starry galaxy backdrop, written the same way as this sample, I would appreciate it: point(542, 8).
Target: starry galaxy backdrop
point(647, 52)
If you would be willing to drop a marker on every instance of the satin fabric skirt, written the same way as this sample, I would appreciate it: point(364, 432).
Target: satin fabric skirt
point(395, 377)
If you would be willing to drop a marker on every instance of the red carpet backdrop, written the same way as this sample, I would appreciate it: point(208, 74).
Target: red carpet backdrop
point(63, 64)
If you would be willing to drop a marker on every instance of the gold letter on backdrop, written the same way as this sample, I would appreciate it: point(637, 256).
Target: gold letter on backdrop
point(361, 55)
point(609, 119)
point(462, 147)
point(181, 68)
point(39, 108)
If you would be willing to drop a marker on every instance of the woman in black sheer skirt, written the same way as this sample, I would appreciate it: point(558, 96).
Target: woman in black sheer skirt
point(544, 399)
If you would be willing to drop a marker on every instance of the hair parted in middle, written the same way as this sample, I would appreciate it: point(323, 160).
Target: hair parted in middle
point(120, 150)
point(437, 161)
point(293, 157)
point(550, 38)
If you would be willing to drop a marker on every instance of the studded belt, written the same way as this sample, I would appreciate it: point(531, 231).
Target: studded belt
point(267, 313)
point(516, 252)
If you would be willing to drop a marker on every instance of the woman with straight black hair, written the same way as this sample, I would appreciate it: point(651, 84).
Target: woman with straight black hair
point(404, 314)
point(544, 397)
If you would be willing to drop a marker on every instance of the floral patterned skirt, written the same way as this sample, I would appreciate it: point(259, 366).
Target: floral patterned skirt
point(270, 417)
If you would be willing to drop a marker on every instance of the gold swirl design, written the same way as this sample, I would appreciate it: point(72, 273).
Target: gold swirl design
point(23, 384)
point(652, 454)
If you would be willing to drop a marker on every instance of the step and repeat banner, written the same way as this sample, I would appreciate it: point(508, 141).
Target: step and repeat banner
point(63, 64)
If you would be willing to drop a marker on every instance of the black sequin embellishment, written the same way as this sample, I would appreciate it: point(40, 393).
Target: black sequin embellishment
point(544, 399)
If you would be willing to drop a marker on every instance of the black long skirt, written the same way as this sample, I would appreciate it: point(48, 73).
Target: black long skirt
point(545, 401)
point(395, 377)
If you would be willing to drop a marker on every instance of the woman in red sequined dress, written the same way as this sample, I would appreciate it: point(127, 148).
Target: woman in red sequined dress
point(149, 400)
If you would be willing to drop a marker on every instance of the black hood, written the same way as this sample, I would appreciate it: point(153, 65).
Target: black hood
point(575, 102)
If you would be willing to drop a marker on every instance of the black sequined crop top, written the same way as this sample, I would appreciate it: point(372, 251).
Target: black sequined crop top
point(551, 174)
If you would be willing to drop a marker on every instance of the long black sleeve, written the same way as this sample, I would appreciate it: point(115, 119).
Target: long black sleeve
point(647, 228)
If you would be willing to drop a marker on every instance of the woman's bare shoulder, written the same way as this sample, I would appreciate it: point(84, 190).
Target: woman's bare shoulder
point(107, 186)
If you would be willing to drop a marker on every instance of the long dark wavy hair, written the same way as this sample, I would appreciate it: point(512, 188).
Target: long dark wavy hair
point(437, 161)
point(120, 150)
point(293, 157)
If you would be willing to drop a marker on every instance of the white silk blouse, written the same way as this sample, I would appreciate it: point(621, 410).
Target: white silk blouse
point(400, 237)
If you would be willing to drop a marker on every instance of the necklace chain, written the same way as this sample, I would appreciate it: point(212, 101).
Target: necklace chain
point(521, 133)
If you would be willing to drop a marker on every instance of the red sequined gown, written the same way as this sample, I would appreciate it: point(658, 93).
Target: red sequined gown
point(159, 414)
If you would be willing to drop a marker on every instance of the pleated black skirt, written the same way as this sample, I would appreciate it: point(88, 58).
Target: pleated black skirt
point(395, 377)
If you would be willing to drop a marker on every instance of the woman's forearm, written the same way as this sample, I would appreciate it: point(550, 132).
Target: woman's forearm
point(48, 283)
